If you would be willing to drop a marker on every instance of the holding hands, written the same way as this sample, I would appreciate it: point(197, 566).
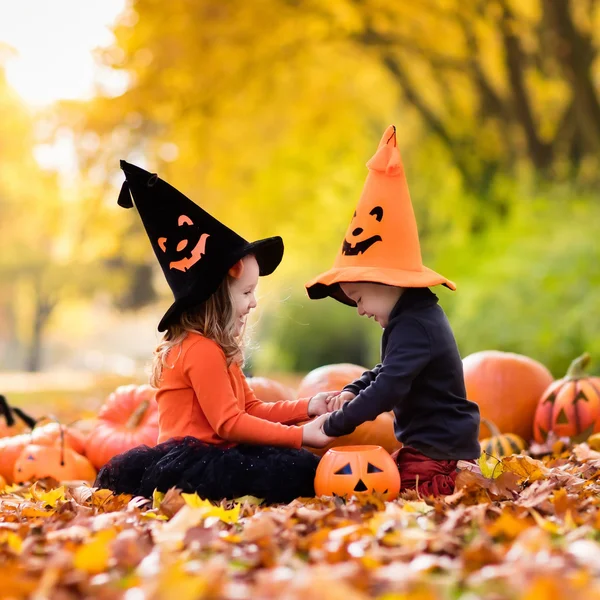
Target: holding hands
point(319, 406)
point(338, 400)
point(313, 434)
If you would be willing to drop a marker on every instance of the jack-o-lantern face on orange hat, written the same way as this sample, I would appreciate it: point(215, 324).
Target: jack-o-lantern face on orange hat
point(381, 244)
point(195, 250)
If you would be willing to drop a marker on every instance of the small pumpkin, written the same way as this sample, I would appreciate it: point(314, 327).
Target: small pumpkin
point(128, 418)
point(44, 435)
point(570, 406)
point(328, 378)
point(57, 461)
point(356, 470)
point(507, 387)
point(13, 420)
point(2, 483)
point(501, 444)
point(269, 390)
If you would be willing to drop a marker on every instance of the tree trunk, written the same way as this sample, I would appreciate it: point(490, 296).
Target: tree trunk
point(43, 309)
point(539, 152)
point(575, 54)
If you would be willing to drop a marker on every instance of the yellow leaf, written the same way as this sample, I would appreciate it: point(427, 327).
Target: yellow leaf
point(227, 516)
point(194, 501)
point(93, 556)
point(210, 510)
point(527, 468)
point(9, 489)
point(32, 511)
point(252, 500)
point(157, 498)
point(545, 524)
point(52, 497)
point(153, 515)
point(12, 540)
point(490, 468)
point(175, 582)
point(417, 506)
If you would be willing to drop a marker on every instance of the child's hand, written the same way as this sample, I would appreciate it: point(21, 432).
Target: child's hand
point(313, 434)
point(319, 403)
point(336, 402)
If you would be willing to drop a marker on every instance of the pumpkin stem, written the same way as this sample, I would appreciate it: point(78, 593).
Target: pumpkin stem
point(137, 415)
point(578, 366)
point(492, 427)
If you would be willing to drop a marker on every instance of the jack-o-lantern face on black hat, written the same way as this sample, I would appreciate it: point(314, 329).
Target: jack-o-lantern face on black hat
point(362, 236)
point(186, 247)
point(194, 249)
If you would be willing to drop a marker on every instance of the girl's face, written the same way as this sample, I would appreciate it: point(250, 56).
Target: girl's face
point(242, 291)
point(373, 299)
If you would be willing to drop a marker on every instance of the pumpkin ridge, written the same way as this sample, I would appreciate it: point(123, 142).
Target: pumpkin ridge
point(593, 385)
point(578, 395)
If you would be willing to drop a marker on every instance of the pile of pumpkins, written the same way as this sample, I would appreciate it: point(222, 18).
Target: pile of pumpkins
point(30, 450)
point(517, 396)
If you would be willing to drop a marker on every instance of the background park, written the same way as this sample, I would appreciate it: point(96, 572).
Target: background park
point(265, 114)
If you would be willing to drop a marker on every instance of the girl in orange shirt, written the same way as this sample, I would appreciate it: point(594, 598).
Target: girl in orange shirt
point(215, 437)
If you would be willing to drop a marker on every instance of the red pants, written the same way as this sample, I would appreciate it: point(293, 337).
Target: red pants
point(427, 475)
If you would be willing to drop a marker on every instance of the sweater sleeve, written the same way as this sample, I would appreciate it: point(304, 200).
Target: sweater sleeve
point(206, 367)
point(408, 352)
point(287, 412)
point(363, 382)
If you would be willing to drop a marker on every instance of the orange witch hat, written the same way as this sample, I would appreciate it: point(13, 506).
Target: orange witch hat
point(381, 244)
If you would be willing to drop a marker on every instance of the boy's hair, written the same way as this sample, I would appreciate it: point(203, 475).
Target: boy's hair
point(214, 318)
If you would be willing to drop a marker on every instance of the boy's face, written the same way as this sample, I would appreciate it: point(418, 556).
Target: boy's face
point(373, 299)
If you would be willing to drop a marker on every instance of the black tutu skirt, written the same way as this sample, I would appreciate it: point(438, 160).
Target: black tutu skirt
point(269, 472)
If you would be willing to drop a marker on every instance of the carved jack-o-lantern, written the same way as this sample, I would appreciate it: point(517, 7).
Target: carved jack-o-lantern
point(353, 470)
point(186, 248)
point(58, 461)
point(362, 232)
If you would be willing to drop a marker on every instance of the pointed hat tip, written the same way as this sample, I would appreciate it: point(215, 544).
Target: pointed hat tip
point(387, 157)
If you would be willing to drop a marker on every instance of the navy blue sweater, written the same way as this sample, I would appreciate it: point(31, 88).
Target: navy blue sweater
point(420, 379)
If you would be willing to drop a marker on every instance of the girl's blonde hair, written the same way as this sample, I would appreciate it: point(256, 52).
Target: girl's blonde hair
point(214, 318)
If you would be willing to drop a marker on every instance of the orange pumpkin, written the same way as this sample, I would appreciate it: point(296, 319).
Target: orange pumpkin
point(2, 483)
point(507, 387)
point(571, 405)
point(379, 432)
point(58, 461)
point(128, 418)
point(9, 425)
point(269, 390)
point(42, 435)
point(329, 378)
point(350, 470)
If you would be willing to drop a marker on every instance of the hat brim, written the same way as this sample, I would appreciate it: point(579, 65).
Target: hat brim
point(268, 253)
point(328, 284)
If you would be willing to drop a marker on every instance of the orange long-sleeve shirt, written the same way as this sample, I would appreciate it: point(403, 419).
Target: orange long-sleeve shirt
point(200, 396)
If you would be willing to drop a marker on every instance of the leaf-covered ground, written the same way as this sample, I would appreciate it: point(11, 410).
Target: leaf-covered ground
point(520, 528)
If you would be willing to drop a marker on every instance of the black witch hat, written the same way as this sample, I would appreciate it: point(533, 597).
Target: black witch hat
point(193, 248)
